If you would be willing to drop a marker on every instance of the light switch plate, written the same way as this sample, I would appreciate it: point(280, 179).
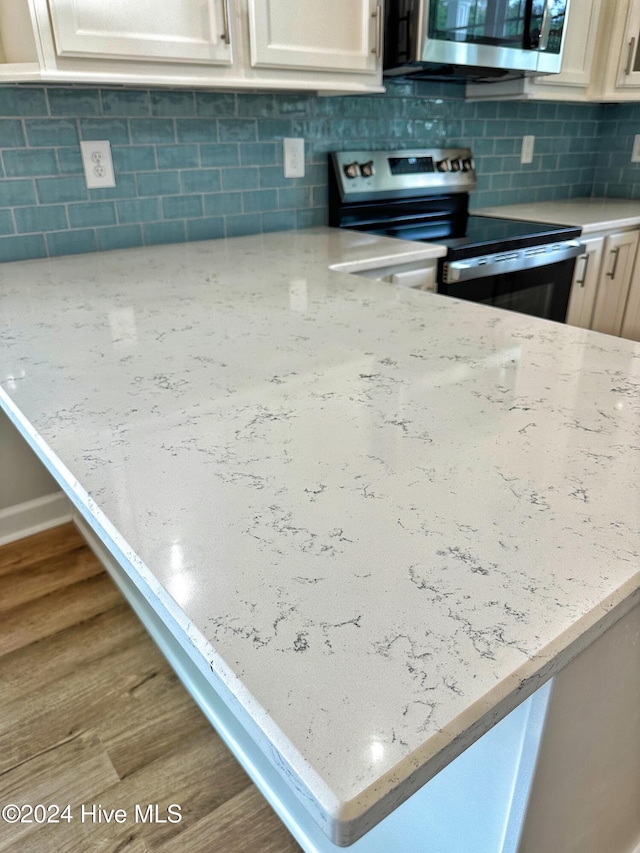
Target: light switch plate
point(635, 153)
point(293, 152)
point(98, 165)
point(526, 154)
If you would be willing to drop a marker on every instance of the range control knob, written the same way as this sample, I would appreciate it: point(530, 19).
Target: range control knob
point(352, 170)
point(456, 165)
point(367, 169)
point(467, 164)
point(443, 166)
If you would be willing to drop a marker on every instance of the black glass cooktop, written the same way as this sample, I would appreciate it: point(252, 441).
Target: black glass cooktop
point(485, 234)
point(479, 235)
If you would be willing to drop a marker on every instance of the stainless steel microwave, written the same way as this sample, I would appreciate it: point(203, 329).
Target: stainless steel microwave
point(492, 35)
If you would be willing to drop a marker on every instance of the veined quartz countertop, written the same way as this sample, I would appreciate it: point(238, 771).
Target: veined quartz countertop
point(383, 517)
point(591, 214)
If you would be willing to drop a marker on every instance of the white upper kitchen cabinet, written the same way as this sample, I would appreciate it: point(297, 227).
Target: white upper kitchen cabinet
point(618, 53)
point(311, 45)
point(330, 34)
point(181, 30)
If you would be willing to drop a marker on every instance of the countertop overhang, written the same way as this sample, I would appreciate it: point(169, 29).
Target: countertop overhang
point(381, 517)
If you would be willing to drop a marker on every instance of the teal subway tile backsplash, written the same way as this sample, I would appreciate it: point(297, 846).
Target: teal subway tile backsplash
point(119, 237)
point(200, 165)
point(11, 133)
point(94, 213)
point(19, 163)
point(200, 180)
point(52, 190)
point(16, 193)
point(164, 232)
point(72, 242)
point(54, 131)
point(211, 228)
point(6, 222)
point(182, 207)
point(45, 217)
point(23, 248)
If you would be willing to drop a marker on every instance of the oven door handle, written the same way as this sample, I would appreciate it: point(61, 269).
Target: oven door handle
point(509, 262)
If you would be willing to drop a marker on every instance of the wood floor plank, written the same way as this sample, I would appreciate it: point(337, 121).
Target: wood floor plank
point(244, 823)
point(40, 546)
point(87, 643)
point(71, 772)
point(198, 776)
point(32, 582)
point(73, 703)
point(52, 613)
point(77, 670)
point(145, 728)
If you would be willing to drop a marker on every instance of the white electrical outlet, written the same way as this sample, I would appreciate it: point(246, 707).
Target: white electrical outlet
point(293, 151)
point(635, 153)
point(526, 154)
point(98, 165)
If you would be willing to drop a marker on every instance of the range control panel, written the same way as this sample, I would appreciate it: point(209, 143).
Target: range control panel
point(364, 175)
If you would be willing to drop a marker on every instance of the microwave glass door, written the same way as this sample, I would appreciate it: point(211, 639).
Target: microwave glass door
point(501, 23)
point(516, 24)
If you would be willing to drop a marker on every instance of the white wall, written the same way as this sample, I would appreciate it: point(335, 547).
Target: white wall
point(22, 476)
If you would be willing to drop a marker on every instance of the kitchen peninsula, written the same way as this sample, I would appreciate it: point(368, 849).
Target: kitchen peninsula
point(364, 522)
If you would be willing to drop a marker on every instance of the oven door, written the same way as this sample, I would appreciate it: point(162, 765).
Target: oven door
point(542, 291)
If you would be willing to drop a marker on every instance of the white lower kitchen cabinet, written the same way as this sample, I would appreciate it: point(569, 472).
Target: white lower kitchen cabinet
point(631, 320)
point(618, 259)
point(232, 44)
point(585, 283)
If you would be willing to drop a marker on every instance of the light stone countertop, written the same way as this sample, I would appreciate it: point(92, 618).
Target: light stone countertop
point(383, 517)
point(591, 214)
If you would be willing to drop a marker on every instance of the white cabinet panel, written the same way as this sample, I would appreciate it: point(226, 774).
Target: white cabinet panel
point(585, 283)
point(631, 320)
point(179, 31)
point(615, 277)
point(629, 53)
point(580, 41)
point(331, 35)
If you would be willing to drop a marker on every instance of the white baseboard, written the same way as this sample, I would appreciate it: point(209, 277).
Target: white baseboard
point(29, 517)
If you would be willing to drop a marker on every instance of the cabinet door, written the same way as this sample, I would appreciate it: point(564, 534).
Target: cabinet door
point(629, 63)
point(615, 277)
point(579, 46)
point(631, 320)
point(585, 283)
point(328, 35)
point(178, 31)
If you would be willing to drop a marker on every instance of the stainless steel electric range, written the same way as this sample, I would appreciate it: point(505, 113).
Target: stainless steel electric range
point(423, 195)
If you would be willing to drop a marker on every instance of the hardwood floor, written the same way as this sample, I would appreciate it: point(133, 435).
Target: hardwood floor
point(91, 714)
